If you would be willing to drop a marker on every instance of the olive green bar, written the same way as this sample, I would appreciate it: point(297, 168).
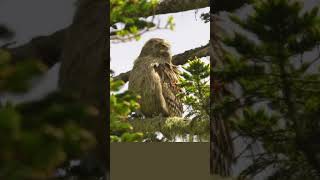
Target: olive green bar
point(160, 161)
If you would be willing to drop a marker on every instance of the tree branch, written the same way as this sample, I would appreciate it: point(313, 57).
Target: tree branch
point(48, 48)
point(199, 52)
point(45, 48)
point(165, 125)
point(178, 59)
point(228, 5)
point(174, 6)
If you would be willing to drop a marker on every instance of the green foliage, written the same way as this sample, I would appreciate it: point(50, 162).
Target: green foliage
point(16, 77)
point(172, 129)
point(122, 10)
point(121, 106)
point(196, 89)
point(170, 23)
point(132, 15)
point(278, 100)
point(37, 137)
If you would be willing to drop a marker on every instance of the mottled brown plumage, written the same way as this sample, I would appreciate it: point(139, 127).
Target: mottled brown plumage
point(155, 78)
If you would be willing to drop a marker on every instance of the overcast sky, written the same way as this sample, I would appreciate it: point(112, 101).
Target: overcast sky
point(29, 19)
point(33, 18)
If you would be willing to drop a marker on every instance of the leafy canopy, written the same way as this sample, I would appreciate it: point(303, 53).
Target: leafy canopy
point(39, 136)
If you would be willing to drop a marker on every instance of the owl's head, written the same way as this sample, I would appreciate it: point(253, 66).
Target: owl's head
point(157, 47)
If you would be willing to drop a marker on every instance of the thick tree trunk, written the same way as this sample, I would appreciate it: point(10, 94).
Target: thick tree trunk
point(221, 145)
point(83, 72)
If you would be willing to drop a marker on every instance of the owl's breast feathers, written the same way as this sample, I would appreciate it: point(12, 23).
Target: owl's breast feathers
point(168, 74)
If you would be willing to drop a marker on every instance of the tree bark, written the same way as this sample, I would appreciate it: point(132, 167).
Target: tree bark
point(84, 65)
point(174, 6)
point(227, 5)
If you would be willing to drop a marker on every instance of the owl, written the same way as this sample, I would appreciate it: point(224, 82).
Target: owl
point(155, 79)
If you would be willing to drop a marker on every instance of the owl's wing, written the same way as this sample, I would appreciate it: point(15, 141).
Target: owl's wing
point(145, 81)
point(168, 74)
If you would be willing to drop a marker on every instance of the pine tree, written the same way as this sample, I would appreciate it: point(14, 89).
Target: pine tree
point(277, 102)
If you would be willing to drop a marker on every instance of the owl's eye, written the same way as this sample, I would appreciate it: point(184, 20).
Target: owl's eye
point(162, 46)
